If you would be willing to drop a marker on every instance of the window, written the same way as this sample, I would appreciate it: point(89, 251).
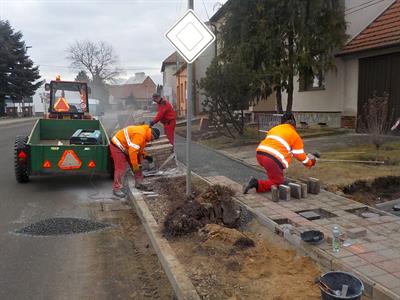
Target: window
point(309, 81)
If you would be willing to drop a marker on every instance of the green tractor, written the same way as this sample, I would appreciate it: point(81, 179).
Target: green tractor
point(67, 139)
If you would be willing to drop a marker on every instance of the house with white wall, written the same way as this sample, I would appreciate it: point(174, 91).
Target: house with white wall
point(336, 100)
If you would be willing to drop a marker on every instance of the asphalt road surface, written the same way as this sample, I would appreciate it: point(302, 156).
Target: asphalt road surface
point(115, 263)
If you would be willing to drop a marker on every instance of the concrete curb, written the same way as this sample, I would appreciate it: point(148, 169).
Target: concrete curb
point(176, 274)
point(17, 121)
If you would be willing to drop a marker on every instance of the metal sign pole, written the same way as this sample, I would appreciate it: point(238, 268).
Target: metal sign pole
point(189, 120)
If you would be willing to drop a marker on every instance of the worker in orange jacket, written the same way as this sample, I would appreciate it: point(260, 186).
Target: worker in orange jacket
point(274, 154)
point(166, 115)
point(127, 147)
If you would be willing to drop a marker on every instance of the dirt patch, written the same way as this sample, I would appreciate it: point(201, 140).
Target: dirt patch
point(379, 190)
point(129, 266)
point(227, 263)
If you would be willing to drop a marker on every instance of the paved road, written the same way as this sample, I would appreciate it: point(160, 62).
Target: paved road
point(110, 264)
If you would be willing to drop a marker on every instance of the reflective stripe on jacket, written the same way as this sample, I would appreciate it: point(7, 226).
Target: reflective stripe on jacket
point(283, 142)
point(132, 140)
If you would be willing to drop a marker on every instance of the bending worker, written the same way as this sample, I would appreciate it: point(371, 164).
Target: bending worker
point(274, 154)
point(165, 115)
point(127, 147)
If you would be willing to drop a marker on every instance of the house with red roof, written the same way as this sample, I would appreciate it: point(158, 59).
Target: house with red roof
point(136, 92)
point(369, 61)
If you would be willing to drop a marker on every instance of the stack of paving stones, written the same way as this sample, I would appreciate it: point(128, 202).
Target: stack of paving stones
point(372, 253)
point(296, 190)
point(161, 150)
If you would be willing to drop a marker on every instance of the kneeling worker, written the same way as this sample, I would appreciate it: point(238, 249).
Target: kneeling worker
point(127, 146)
point(166, 115)
point(275, 151)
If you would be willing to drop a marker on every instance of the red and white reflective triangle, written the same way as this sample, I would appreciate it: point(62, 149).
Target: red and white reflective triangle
point(69, 161)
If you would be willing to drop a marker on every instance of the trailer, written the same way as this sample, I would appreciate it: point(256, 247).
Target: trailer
point(67, 140)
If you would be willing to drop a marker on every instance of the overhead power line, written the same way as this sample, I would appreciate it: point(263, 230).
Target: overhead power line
point(364, 7)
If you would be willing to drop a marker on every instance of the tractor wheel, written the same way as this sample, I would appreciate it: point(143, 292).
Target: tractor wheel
point(21, 167)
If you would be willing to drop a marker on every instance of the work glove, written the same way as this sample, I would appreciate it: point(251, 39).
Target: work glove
point(151, 123)
point(311, 163)
point(136, 168)
point(149, 158)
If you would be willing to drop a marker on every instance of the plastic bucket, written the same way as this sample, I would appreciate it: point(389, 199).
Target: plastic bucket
point(335, 280)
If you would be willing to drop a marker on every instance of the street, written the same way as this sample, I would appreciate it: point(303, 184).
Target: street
point(113, 263)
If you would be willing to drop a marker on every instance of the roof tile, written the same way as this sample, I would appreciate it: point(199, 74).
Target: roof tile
point(384, 31)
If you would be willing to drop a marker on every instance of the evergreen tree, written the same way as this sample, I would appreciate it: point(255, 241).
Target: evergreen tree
point(83, 77)
point(282, 39)
point(18, 75)
point(228, 92)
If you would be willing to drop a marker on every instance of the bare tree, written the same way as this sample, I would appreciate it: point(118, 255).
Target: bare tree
point(377, 119)
point(98, 58)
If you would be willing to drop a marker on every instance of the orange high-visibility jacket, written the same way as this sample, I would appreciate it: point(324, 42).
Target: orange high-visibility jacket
point(132, 140)
point(283, 142)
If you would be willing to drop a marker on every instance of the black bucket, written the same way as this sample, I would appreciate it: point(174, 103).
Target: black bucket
point(335, 281)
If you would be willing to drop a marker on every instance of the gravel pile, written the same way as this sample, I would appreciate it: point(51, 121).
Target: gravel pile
point(61, 226)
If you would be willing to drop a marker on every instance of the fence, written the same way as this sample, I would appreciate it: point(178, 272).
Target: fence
point(266, 121)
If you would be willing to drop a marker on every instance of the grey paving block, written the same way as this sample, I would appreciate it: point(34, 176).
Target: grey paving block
point(310, 215)
point(295, 190)
point(284, 192)
point(275, 193)
point(314, 186)
point(304, 190)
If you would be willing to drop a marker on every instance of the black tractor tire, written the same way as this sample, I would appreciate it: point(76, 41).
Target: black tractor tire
point(21, 169)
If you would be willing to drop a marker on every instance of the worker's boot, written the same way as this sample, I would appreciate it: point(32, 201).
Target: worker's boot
point(253, 183)
point(142, 187)
point(119, 193)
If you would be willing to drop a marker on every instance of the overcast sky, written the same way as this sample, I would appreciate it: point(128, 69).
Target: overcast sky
point(135, 28)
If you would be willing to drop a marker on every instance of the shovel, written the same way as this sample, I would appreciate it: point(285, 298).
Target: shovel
point(326, 288)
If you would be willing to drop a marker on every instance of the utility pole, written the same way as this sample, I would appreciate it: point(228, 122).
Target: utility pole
point(189, 109)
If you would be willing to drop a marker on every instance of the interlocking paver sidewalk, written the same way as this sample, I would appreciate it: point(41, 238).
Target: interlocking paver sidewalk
point(375, 257)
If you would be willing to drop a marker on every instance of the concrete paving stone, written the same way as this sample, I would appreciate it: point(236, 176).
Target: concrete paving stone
point(351, 217)
point(388, 281)
point(355, 233)
point(322, 222)
point(373, 237)
point(390, 266)
point(382, 293)
point(372, 257)
point(354, 261)
point(295, 190)
point(358, 248)
point(376, 228)
point(392, 226)
point(376, 246)
point(390, 218)
point(390, 253)
point(371, 270)
point(341, 254)
point(284, 192)
point(274, 193)
point(393, 244)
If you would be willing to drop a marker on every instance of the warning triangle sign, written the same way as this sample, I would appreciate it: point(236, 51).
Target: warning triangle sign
point(69, 161)
point(61, 105)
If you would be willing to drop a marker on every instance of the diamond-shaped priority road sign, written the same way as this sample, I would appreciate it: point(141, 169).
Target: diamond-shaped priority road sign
point(190, 36)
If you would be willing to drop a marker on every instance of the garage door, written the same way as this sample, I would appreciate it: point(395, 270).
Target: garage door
point(380, 74)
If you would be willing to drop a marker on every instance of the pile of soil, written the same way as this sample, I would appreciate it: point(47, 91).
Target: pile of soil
point(215, 205)
point(379, 190)
point(221, 261)
point(229, 264)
